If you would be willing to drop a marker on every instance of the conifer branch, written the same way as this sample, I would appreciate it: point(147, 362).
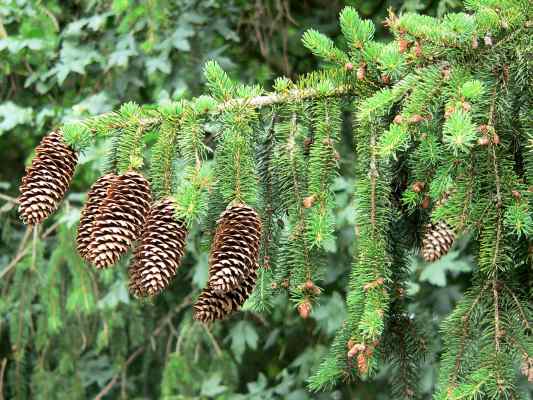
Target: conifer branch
point(465, 319)
point(525, 320)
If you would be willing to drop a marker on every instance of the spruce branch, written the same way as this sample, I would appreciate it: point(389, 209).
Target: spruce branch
point(465, 319)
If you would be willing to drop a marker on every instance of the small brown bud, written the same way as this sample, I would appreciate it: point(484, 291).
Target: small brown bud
point(373, 284)
point(506, 72)
point(483, 128)
point(309, 201)
point(350, 344)
point(285, 284)
point(309, 285)
point(348, 66)
point(307, 145)
point(516, 194)
point(488, 40)
point(475, 42)
point(418, 49)
point(403, 45)
point(362, 363)
point(425, 202)
point(495, 138)
point(466, 106)
point(446, 73)
point(327, 142)
point(398, 119)
point(415, 119)
point(355, 348)
point(274, 285)
point(361, 72)
point(385, 79)
point(304, 309)
point(449, 111)
point(337, 156)
point(484, 140)
point(418, 186)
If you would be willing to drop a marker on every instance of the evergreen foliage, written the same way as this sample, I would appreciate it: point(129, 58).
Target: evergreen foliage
point(441, 124)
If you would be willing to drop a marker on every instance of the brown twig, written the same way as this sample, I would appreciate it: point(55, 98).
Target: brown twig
point(133, 356)
point(7, 198)
point(2, 371)
point(213, 340)
point(23, 249)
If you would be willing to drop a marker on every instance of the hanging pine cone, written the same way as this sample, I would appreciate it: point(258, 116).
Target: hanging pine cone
point(158, 256)
point(437, 241)
point(47, 179)
point(96, 196)
point(235, 248)
point(120, 220)
point(211, 306)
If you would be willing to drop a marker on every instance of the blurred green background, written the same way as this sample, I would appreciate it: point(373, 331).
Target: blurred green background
point(67, 332)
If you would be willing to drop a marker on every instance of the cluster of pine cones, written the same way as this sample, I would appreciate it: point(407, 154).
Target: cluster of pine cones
point(120, 212)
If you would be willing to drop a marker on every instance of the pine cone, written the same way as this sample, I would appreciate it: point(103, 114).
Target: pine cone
point(235, 248)
point(120, 220)
point(47, 179)
point(90, 211)
point(211, 306)
point(158, 256)
point(437, 241)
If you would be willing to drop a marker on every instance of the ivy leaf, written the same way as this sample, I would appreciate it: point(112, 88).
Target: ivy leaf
point(161, 63)
point(96, 22)
point(212, 387)
point(117, 294)
point(12, 115)
point(330, 314)
point(73, 59)
point(180, 35)
point(435, 273)
point(242, 335)
point(124, 50)
point(14, 45)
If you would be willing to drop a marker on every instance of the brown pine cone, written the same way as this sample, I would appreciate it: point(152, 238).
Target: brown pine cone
point(235, 248)
point(437, 241)
point(211, 306)
point(159, 253)
point(47, 179)
point(90, 211)
point(121, 218)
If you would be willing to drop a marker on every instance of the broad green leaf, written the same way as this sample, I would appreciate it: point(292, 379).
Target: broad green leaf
point(243, 335)
point(12, 115)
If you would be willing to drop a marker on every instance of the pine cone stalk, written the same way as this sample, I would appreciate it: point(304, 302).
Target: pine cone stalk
point(47, 179)
point(159, 253)
point(120, 220)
